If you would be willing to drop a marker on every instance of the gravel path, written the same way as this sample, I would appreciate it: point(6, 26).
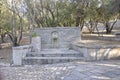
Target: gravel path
point(102, 70)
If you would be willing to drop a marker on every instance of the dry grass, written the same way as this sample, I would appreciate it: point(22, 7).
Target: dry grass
point(6, 50)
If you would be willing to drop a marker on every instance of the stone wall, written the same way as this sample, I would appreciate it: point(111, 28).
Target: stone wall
point(58, 37)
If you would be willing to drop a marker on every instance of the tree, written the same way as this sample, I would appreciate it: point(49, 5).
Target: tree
point(16, 29)
point(116, 7)
point(108, 14)
point(50, 13)
point(81, 6)
point(4, 20)
point(92, 15)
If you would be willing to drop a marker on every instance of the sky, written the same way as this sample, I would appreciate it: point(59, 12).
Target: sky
point(100, 3)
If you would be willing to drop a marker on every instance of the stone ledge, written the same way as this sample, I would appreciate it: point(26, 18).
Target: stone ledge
point(53, 58)
point(91, 44)
point(47, 28)
point(91, 53)
point(96, 46)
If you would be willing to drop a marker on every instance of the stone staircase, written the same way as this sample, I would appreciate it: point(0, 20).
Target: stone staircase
point(49, 56)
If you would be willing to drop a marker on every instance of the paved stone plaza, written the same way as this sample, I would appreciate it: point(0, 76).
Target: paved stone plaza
point(101, 70)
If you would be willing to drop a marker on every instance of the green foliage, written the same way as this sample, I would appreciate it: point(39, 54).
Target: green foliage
point(11, 22)
point(5, 23)
point(34, 34)
point(53, 13)
point(50, 13)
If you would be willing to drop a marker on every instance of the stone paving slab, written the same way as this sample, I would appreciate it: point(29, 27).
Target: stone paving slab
point(100, 70)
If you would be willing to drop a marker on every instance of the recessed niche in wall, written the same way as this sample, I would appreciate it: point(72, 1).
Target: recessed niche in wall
point(55, 41)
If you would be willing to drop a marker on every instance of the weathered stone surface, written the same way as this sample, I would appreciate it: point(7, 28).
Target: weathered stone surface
point(54, 45)
point(94, 52)
point(36, 44)
point(51, 56)
point(63, 35)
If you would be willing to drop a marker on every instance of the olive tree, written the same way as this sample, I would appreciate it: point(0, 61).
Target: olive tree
point(15, 33)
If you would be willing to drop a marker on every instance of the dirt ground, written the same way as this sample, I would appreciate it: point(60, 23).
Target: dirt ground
point(5, 53)
point(6, 50)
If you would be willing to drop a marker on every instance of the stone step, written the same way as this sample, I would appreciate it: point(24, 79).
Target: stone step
point(55, 51)
point(48, 60)
point(53, 58)
point(53, 55)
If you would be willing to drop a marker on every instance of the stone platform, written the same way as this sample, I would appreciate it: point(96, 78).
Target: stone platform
point(93, 50)
point(48, 56)
point(53, 46)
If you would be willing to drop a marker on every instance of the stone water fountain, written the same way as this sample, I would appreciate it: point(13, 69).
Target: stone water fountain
point(55, 45)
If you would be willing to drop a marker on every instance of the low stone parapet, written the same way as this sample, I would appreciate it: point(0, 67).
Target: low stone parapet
point(98, 52)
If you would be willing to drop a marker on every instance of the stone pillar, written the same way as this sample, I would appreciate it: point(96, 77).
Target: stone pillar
point(17, 56)
point(20, 52)
point(36, 44)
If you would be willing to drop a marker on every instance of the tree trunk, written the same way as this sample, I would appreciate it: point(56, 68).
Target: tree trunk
point(91, 26)
point(109, 27)
point(113, 25)
point(108, 31)
point(15, 43)
point(82, 24)
point(77, 21)
point(2, 38)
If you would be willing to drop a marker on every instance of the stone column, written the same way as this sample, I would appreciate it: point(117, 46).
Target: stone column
point(17, 55)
